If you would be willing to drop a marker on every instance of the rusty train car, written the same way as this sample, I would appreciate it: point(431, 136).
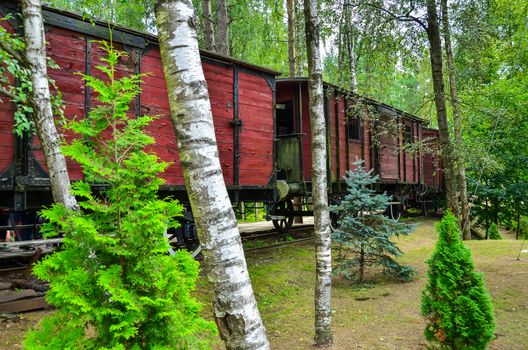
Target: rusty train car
point(261, 123)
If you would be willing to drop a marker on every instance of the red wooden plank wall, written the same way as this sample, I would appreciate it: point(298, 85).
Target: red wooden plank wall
point(7, 138)
point(220, 84)
point(333, 138)
point(306, 129)
point(68, 49)
point(154, 101)
point(388, 157)
point(342, 137)
point(431, 164)
point(409, 165)
point(367, 145)
point(256, 107)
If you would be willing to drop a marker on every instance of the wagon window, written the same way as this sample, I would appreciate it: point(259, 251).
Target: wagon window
point(408, 134)
point(354, 127)
point(285, 120)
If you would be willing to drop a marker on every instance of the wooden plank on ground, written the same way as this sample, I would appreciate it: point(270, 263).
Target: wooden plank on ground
point(16, 294)
point(32, 243)
point(5, 285)
point(24, 305)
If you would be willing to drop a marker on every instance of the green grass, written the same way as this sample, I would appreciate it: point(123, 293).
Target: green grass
point(381, 314)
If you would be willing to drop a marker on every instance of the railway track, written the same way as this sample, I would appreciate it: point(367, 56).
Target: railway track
point(253, 241)
point(271, 238)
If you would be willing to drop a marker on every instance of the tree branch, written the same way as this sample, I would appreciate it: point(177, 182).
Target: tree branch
point(13, 53)
point(402, 18)
point(7, 93)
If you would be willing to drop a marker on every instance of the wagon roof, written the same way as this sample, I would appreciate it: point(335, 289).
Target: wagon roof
point(387, 109)
point(128, 36)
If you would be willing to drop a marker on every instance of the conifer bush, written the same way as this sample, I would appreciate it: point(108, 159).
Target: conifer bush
point(363, 236)
point(455, 303)
point(113, 283)
point(493, 232)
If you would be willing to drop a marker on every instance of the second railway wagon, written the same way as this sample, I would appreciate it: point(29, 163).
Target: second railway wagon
point(357, 128)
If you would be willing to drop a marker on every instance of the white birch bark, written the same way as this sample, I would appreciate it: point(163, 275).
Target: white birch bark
point(323, 287)
point(43, 114)
point(235, 307)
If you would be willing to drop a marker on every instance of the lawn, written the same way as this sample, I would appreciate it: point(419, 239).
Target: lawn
point(381, 315)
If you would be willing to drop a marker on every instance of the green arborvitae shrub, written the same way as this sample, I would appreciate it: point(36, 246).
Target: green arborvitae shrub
point(455, 302)
point(493, 232)
point(113, 283)
point(363, 236)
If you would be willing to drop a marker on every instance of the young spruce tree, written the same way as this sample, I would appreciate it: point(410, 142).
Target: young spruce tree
point(113, 283)
point(493, 232)
point(455, 302)
point(363, 236)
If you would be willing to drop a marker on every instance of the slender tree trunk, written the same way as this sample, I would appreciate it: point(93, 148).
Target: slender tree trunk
point(290, 4)
point(517, 232)
point(349, 32)
point(235, 308)
point(465, 222)
point(208, 25)
point(222, 28)
point(43, 114)
point(362, 264)
point(446, 147)
point(299, 38)
point(291, 36)
point(323, 287)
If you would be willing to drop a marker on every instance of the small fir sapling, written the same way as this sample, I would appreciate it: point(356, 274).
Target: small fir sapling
point(113, 283)
point(364, 233)
point(493, 232)
point(455, 303)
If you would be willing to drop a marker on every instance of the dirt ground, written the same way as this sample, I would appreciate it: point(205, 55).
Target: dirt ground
point(381, 315)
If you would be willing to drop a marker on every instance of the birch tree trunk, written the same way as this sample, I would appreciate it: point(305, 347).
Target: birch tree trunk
point(291, 36)
point(208, 25)
point(43, 113)
point(465, 221)
point(235, 307)
point(446, 147)
point(222, 28)
point(323, 311)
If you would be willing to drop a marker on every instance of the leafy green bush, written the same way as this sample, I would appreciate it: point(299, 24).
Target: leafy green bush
point(455, 302)
point(113, 283)
point(363, 236)
point(493, 232)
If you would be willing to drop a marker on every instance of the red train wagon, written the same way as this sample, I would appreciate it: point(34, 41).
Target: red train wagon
point(242, 102)
point(350, 137)
point(432, 168)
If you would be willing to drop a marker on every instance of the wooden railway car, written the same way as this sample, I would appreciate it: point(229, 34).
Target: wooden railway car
point(242, 102)
point(262, 126)
point(350, 137)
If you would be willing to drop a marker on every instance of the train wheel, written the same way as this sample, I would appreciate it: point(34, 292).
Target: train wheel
point(285, 209)
point(185, 236)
